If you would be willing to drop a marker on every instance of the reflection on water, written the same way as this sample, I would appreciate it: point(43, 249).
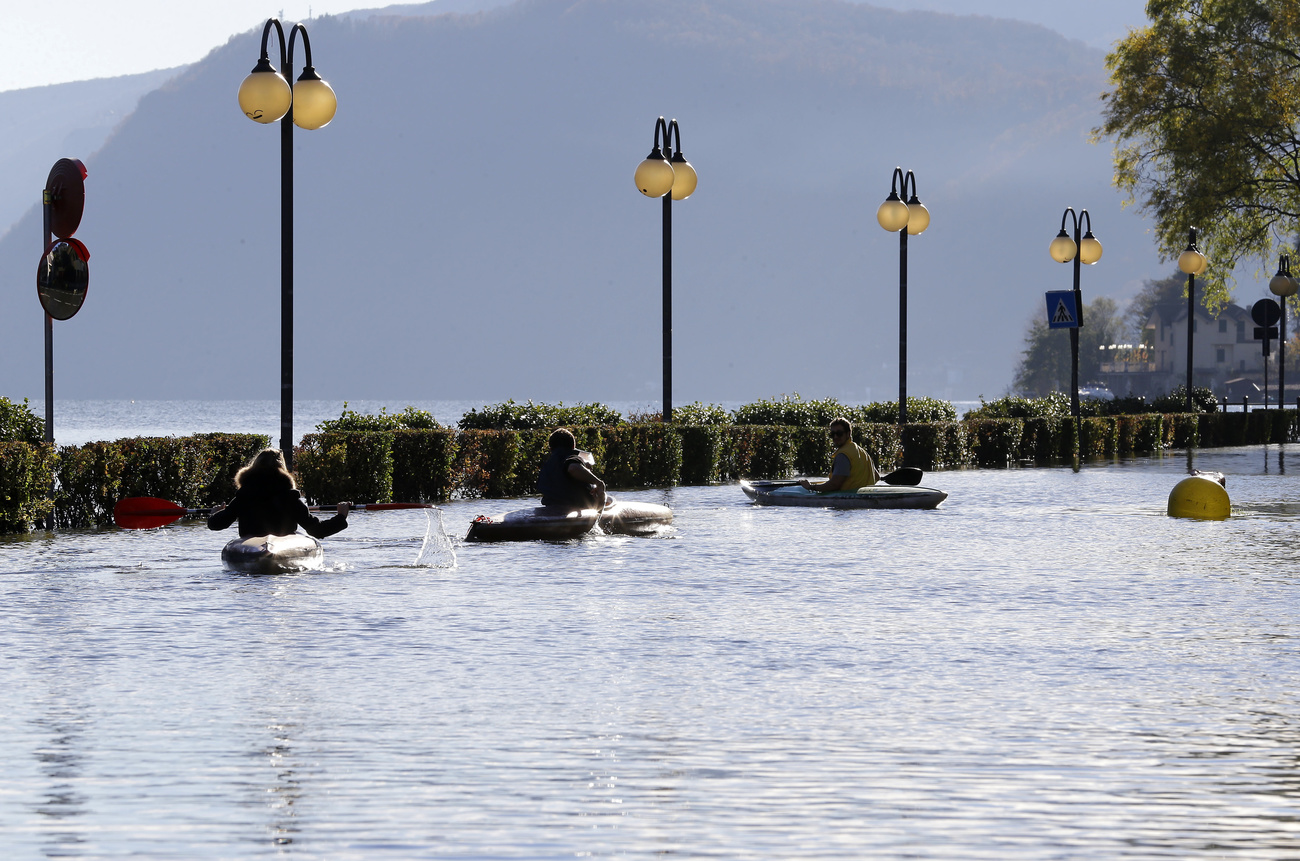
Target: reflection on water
point(1044, 667)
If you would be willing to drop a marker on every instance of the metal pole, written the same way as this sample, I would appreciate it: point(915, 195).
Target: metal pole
point(668, 307)
point(286, 279)
point(1281, 357)
point(1191, 325)
point(1074, 333)
point(49, 333)
point(902, 324)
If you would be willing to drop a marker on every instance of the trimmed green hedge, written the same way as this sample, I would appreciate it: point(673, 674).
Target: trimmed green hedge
point(196, 471)
point(26, 474)
point(435, 464)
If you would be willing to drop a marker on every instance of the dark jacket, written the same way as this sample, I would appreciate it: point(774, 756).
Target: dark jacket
point(272, 508)
point(561, 489)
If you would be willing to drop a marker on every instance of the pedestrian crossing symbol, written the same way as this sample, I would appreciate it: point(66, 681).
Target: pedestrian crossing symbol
point(1062, 311)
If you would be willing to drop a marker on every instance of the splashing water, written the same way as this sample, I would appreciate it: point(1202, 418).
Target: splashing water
point(436, 551)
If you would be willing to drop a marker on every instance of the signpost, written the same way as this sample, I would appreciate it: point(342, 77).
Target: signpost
point(62, 276)
point(1266, 313)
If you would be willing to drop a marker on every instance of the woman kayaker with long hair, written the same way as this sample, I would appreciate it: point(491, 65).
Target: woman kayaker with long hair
point(267, 502)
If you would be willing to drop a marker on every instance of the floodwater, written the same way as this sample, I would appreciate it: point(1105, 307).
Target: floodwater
point(1045, 667)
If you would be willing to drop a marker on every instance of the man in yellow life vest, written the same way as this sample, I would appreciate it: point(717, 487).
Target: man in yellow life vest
point(852, 467)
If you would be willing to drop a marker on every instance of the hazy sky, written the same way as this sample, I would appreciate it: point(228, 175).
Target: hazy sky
point(80, 39)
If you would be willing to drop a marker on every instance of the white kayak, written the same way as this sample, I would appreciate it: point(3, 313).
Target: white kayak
point(875, 496)
point(273, 554)
point(552, 523)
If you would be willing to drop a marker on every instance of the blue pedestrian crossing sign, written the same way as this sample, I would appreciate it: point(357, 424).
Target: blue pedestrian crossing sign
point(1062, 310)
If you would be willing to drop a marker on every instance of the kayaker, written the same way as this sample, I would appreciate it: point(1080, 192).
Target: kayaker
point(851, 468)
point(267, 502)
point(566, 479)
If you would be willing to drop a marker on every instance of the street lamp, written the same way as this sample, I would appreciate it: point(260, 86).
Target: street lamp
point(264, 97)
point(894, 215)
point(672, 179)
point(1193, 262)
point(1282, 285)
point(1085, 249)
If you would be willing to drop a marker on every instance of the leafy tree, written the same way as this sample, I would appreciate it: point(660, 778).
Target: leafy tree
point(1155, 291)
point(1045, 363)
point(1204, 114)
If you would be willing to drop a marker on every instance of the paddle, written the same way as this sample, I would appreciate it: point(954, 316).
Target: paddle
point(150, 512)
point(907, 475)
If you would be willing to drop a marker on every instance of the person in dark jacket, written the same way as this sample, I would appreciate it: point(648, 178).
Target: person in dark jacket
point(267, 502)
point(566, 479)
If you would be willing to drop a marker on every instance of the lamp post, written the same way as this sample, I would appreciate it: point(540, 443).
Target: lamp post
point(1282, 285)
point(1193, 262)
point(672, 179)
point(902, 218)
point(265, 96)
point(1080, 249)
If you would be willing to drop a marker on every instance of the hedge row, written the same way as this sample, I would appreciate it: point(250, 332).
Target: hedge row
point(88, 480)
point(437, 464)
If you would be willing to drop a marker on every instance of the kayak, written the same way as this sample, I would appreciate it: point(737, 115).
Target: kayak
point(273, 554)
point(552, 523)
point(875, 496)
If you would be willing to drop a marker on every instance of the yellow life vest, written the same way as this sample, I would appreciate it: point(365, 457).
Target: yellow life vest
point(862, 471)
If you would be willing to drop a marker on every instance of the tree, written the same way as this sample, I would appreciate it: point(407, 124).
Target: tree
point(1155, 291)
point(1044, 365)
point(1204, 114)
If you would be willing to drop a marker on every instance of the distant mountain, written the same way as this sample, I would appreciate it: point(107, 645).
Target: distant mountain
point(467, 227)
point(38, 126)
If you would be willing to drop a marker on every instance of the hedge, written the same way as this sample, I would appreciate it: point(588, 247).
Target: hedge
point(436, 464)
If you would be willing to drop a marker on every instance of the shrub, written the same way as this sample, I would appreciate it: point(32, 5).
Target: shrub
point(1175, 401)
point(19, 424)
point(934, 445)
point(701, 451)
point(996, 442)
point(529, 416)
point(918, 410)
point(423, 465)
point(701, 414)
point(1055, 405)
point(354, 422)
point(26, 474)
point(357, 467)
point(755, 451)
point(790, 411)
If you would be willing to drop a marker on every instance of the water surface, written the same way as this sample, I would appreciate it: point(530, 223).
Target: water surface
point(1045, 667)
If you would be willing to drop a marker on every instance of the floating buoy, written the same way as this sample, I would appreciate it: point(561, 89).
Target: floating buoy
point(1200, 497)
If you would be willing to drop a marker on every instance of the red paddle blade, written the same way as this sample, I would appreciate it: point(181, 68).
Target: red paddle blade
point(146, 512)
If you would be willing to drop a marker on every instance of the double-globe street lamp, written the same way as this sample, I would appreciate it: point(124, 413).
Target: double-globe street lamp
point(1080, 249)
point(672, 179)
point(902, 218)
point(1283, 286)
point(1193, 262)
point(265, 97)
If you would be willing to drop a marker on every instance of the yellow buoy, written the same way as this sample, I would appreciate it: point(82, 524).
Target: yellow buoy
point(1199, 497)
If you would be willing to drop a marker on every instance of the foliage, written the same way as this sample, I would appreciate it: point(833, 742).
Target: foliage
point(1054, 405)
point(1175, 401)
point(701, 414)
point(192, 471)
point(701, 449)
point(918, 410)
point(935, 445)
point(26, 473)
point(356, 467)
point(19, 424)
point(996, 441)
point(1154, 292)
point(1203, 113)
point(354, 422)
point(790, 411)
point(422, 464)
point(1044, 365)
point(513, 416)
